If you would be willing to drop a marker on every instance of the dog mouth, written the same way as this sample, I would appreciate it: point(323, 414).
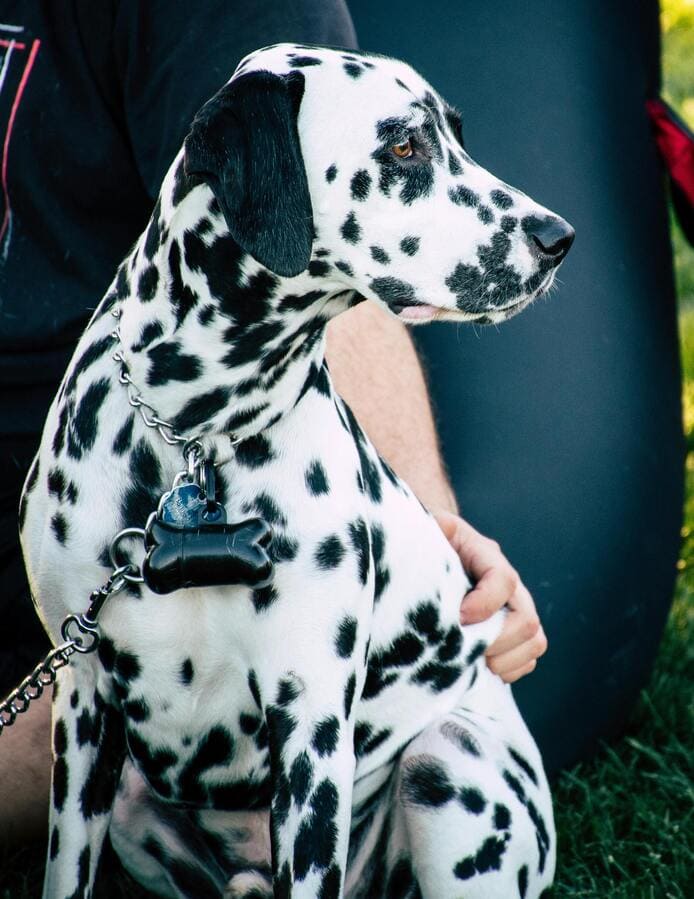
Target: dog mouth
point(414, 312)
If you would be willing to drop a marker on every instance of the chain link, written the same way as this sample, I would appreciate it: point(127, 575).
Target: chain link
point(80, 633)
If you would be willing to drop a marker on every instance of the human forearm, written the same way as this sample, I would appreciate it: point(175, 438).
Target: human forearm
point(376, 370)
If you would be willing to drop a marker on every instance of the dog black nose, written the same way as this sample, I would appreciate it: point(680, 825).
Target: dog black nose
point(552, 236)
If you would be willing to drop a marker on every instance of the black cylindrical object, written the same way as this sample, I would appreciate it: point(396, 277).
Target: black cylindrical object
point(562, 428)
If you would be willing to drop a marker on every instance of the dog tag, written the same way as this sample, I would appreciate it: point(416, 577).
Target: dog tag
point(182, 506)
point(206, 555)
point(188, 542)
point(188, 506)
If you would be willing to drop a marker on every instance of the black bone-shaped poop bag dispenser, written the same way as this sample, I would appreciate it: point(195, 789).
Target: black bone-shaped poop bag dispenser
point(188, 543)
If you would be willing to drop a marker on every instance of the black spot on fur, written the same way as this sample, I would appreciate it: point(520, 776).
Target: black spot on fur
point(206, 314)
point(425, 781)
point(264, 597)
point(487, 858)
point(472, 800)
point(475, 652)
point(330, 884)
point(463, 196)
point(56, 482)
point(345, 268)
point(137, 710)
point(437, 676)
point(379, 255)
point(151, 331)
point(523, 881)
point(346, 637)
point(318, 268)
point(353, 70)
point(501, 199)
point(169, 363)
point(461, 737)
point(287, 691)
point(454, 166)
point(523, 764)
point(148, 283)
point(350, 687)
point(60, 737)
point(366, 741)
point(55, 843)
point(254, 452)
point(359, 538)
point(181, 297)
point(351, 230)
point(301, 62)
point(360, 185)
point(331, 173)
point(317, 479)
point(485, 214)
point(88, 729)
point(59, 527)
point(317, 836)
point(301, 778)
point(142, 496)
point(382, 578)
point(502, 817)
point(93, 352)
point(83, 427)
point(127, 667)
point(409, 245)
point(424, 618)
point(217, 747)
point(123, 438)
point(281, 724)
point(254, 688)
point(452, 643)
point(329, 552)
point(60, 782)
point(201, 408)
point(325, 736)
point(107, 653)
point(508, 223)
point(187, 672)
point(393, 290)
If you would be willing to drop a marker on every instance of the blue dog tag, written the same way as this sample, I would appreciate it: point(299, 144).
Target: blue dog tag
point(186, 506)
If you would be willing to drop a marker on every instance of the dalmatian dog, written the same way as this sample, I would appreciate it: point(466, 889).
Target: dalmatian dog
point(336, 732)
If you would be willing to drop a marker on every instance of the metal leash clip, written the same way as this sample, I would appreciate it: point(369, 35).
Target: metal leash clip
point(80, 633)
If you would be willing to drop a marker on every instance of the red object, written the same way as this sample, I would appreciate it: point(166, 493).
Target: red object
point(676, 144)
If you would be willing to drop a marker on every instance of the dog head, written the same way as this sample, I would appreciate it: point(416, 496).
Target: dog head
point(353, 164)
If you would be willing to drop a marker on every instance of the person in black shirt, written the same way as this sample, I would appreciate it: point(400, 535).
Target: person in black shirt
point(95, 100)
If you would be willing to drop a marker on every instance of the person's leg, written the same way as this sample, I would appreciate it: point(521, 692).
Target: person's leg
point(25, 746)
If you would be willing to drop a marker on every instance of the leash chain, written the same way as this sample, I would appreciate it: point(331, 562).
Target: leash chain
point(80, 634)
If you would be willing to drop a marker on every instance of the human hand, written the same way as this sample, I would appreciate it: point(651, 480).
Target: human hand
point(522, 640)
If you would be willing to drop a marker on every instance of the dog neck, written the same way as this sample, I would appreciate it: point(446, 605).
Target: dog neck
point(215, 342)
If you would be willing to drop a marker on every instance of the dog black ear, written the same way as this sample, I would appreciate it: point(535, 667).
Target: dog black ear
point(244, 143)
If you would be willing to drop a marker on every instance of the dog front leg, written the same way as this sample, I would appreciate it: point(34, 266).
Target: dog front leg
point(88, 753)
point(312, 768)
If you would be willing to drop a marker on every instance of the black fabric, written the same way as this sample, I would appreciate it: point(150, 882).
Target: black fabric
point(562, 428)
point(96, 99)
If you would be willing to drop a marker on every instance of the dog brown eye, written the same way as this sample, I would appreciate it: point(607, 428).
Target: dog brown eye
point(403, 150)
